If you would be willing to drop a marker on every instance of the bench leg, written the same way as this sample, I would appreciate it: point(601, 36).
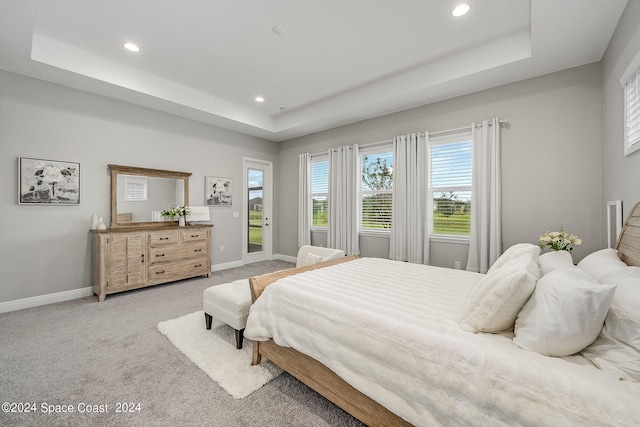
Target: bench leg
point(239, 338)
point(207, 320)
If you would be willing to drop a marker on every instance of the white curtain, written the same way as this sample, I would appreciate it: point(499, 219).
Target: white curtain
point(304, 199)
point(344, 173)
point(410, 213)
point(485, 244)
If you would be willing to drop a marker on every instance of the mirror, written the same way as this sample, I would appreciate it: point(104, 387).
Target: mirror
point(138, 195)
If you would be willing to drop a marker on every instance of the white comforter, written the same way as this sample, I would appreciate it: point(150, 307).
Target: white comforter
point(390, 330)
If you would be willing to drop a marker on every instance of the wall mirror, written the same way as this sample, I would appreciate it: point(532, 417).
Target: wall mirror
point(138, 195)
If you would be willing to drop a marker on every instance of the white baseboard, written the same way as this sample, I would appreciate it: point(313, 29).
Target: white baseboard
point(227, 265)
point(21, 304)
point(240, 263)
point(287, 258)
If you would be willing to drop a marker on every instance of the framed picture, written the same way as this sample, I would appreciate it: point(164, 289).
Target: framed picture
point(217, 191)
point(48, 182)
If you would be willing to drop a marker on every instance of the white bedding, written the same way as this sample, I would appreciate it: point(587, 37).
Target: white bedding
point(390, 329)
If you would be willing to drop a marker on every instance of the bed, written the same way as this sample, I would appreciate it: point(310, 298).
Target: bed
point(404, 344)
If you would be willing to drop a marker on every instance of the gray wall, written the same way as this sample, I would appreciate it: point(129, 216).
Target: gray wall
point(620, 173)
point(551, 158)
point(45, 249)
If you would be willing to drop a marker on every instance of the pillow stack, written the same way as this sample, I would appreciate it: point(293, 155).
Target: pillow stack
point(558, 309)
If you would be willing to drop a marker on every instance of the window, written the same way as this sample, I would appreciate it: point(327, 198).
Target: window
point(135, 189)
point(450, 159)
point(632, 113)
point(376, 190)
point(320, 192)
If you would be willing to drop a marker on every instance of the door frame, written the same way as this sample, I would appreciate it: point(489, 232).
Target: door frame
point(267, 209)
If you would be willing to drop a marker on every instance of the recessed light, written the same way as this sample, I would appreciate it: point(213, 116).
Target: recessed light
point(460, 10)
point(132, 47)
point(259, 99)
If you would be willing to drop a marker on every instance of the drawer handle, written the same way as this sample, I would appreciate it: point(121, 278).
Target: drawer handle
point(194, 235)
point(164, 238)
point(199, 265)
point(157, 255)
point(160, 272)
point(197, 250)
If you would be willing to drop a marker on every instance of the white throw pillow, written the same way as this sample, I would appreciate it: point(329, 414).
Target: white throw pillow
point(496, 300)
point(601, 263)
point(312, 259)
point(554, 260)
point(565, 313)
point(514, 252)
point(617, 349)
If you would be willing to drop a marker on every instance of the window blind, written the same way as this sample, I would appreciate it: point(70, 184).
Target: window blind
point(632, 116)
point(320, 193)
point(450, 185)
point(376, 190)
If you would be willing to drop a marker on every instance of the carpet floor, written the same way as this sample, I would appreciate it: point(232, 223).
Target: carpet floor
point(214, 351)
point(82, 362)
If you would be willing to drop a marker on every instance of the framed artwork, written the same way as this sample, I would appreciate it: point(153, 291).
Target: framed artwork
point(217, 191)
point(48, 182)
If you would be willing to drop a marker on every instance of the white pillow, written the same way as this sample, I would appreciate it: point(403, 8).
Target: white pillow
point(312, 259)
point(617, 349)
point(496, 300)
point(553, 260)
point(514, 252)
point(601, 263)
point(565, 313)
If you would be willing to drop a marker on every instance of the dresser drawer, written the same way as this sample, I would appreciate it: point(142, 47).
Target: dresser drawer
point(168, 253)
point(193, 235)
point(168, 272)
point(163, 237)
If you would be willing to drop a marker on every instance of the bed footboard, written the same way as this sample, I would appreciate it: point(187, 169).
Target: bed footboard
point(327, 383)
point(259, 283)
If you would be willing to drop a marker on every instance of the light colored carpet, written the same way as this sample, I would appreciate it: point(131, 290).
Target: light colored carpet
point(214, 351)
point(102, 353)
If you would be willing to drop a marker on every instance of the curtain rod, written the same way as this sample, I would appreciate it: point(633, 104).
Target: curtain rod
point(437, 133)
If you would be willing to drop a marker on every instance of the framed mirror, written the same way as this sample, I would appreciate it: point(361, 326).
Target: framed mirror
point(138, 195)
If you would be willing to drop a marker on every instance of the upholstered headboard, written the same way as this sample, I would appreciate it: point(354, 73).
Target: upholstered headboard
point(629, 242)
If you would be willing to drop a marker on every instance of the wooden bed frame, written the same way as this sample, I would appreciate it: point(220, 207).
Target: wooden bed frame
point(321, 379)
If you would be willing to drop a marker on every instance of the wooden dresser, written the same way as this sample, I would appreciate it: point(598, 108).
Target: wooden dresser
point(132, 258)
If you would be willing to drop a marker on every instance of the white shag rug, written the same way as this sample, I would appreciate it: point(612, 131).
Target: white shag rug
point(214, 351)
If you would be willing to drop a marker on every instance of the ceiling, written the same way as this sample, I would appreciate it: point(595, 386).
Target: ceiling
point(318, 64)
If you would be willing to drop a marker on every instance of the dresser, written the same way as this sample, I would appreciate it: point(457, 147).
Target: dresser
point(130, 258)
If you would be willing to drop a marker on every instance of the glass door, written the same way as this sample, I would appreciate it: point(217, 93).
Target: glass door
point(257, 233)
point(255, 179)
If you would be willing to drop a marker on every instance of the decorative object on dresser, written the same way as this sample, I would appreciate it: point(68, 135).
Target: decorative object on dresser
point(136, 251)
point(48, 182)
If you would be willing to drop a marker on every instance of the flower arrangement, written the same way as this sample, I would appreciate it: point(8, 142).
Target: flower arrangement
point(559, 240)
point(177, 211)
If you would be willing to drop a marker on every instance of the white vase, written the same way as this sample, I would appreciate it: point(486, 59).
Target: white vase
point(181, 221)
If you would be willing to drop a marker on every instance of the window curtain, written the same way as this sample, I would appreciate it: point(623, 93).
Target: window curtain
point(410, 215)
point(485, 245)
point(304, 199)
point(344, 170)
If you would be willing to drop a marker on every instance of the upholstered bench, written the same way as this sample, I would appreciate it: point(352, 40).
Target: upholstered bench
point(230, 302)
